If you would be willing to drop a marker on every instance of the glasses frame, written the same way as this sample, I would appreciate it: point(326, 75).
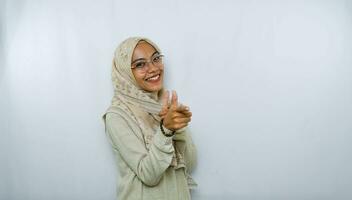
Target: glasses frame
point(147, 62)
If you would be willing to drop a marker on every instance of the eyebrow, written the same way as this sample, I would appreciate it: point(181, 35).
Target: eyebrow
point(156, 52)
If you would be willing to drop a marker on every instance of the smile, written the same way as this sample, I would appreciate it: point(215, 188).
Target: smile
point(153, 78)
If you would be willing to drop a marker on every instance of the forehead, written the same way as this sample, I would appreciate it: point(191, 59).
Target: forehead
point(143, 49)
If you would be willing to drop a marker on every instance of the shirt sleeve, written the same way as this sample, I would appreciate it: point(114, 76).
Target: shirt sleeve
point(185, 144)
point(149, 166)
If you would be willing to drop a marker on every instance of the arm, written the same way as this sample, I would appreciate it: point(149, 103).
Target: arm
point(149, 166)
point(176, 117)
point(185, 144)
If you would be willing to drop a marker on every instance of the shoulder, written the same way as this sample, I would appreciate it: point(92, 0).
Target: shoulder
point(115, 113)
point(112, 117)
point(119, 124)
point(117, 116)
point(117, 119)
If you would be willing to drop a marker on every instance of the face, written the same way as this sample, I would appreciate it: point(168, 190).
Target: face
point(147, 67)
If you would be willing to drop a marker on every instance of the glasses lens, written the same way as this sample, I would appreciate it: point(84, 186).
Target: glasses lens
point(157, 60)
point(142, 66)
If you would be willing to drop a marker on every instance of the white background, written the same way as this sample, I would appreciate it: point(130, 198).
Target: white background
point(269, 84)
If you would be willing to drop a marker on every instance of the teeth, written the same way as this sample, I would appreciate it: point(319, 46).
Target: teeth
point(153, 78)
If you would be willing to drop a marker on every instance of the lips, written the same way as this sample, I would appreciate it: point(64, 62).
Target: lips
point(153, 78)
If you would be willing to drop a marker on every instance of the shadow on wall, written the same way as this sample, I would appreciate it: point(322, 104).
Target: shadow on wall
point(2, 40)
point(10, 15)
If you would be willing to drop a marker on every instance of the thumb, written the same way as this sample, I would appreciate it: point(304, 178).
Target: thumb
point(174, 100)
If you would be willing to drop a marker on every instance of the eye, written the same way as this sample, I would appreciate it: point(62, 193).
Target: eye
point(140, 65)
point(157, 58)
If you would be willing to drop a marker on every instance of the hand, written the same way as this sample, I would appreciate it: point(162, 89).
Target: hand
point(176, 116)
point(166, 105)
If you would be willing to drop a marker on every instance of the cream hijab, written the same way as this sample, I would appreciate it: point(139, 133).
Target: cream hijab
point(125, 85)
point(130, 98)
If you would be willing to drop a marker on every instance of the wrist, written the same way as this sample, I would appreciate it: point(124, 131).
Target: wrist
point(167, 132)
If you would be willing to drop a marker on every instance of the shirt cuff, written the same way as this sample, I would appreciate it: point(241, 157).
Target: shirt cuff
point(167, 131)
point(163, 142)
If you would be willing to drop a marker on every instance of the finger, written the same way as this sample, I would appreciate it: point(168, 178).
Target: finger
point(182, 107)
point(174, 100)
point(183, 120)
point(186, 113)
point(181, 115)
point(178, 115)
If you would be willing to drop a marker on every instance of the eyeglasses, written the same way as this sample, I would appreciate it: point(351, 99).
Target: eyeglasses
point(142, 65)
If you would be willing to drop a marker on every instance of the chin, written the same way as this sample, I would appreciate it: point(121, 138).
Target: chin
point(154, 88)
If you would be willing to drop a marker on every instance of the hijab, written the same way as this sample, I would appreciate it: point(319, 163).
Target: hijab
point(125, 85)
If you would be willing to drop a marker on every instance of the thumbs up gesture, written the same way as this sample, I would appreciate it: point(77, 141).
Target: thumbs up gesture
point(175, 115)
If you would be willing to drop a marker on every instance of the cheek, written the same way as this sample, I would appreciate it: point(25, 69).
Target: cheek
point(139, 78)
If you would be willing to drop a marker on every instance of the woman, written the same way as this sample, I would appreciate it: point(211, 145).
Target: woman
point(148, 132)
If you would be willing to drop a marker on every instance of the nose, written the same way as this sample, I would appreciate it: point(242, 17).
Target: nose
point(152, 67)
